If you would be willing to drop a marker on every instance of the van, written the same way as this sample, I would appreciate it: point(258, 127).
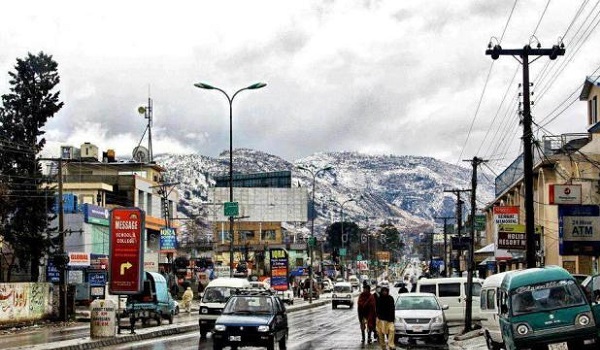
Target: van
point(154, 302)
point(452, 291)
point(489, 310)
point(213, 300)
point(546, 308)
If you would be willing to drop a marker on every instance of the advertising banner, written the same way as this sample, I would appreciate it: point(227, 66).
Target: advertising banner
point(127, 260)
point(579, 229)
point(98, 261)
point(506, 215)
point(52, 273)
point(383, 256)
point(513, 237)
point(93, 214)
point(97, 279)
point(168, 240)
point(279, 269)
point(565, 194)
point(80, 259)
point(362, 265)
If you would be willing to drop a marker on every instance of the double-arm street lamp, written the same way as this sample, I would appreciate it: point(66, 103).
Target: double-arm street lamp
point(343, 237)
point(230, 100)
point(312, 226)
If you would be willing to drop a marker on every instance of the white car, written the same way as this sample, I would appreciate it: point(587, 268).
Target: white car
point(327, 285)
point(287, 296)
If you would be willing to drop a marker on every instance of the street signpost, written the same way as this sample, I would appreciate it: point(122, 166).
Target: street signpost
point(231, 209)
point(126, 257)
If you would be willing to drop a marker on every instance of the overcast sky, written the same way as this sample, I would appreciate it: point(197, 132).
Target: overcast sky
point(381, 77)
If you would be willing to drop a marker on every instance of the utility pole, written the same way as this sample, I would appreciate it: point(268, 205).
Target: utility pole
point(459, 204)
point(524, 53)
point(431, 236)
point(446, 260)
point(470, 264)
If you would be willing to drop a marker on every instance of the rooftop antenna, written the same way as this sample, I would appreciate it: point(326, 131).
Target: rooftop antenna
point(147, 112)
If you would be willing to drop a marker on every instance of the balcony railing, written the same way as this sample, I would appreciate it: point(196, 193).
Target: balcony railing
point(551, 145)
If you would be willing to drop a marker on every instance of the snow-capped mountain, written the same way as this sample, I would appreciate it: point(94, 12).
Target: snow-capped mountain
point(405, 190)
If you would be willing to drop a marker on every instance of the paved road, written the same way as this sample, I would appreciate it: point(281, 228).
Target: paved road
point(318, 328)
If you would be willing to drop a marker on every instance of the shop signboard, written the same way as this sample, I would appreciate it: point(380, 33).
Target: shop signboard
point(79, 259)
point(98, 261)
point(513, 237)
point(383, 256)
point(168, 240)
point(565, 194)
point(579, 229)
point(279, 269)
point(93, 214)
point(52, 273)
point(97, 279)
point(127, 259)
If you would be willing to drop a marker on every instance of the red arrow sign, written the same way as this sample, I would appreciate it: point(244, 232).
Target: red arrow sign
point(126, 257)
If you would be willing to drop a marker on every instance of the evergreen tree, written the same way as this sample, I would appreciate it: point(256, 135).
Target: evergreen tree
point(23, 114)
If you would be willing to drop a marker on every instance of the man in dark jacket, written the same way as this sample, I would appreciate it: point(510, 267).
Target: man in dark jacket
point(366, 312)
point(385, 316)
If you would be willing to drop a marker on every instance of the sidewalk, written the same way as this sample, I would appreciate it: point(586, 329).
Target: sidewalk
point(141, 333)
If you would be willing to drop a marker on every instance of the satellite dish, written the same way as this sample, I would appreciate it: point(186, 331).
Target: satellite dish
point(141, 154)
point(142, 110)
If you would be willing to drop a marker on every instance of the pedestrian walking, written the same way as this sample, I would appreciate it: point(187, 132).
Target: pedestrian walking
point(188, 295)
point(386, 314)
point(366, 313)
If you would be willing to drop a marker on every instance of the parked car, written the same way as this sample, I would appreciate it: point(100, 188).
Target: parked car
point(490, 310)
point(420, 316)
point(251, 318)
point(287, 296)
point(354, 281)
point(342, 295)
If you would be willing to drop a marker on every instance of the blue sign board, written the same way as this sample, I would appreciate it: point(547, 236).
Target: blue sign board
point(279, 269)
point(94, 214)
point(579, 229)
point(52, 273)
point(168, 239)
point(97, 279)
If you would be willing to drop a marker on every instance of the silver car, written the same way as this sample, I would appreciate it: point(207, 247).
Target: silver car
point(420, 316)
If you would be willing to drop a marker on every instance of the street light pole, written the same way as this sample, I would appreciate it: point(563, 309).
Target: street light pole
point(312, 225)
point(343, 236)
point(230, 100)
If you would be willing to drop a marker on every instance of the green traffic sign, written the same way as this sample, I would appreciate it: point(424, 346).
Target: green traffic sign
point(359, 257)
point(312, 241)
point(231, 209)
point(342, 251)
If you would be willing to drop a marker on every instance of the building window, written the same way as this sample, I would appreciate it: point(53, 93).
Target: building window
point(594, 110)
point(247, 235)
point(268, 235)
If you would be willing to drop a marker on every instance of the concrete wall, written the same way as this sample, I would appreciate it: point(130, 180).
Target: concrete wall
point(25, 301)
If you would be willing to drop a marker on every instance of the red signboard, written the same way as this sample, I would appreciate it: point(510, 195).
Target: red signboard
point(126, 255)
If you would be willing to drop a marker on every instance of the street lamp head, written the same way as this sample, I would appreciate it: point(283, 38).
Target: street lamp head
point(204, 86)
point(256, 86)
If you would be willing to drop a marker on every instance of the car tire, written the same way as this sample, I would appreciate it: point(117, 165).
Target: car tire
point(177, 310)
point(333, 306)
point(171, 318)
point(271, 344)
point(217, 346)
point(203, 333)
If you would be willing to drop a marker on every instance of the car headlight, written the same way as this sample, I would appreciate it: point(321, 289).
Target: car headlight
point(399, 320)
point(334, 296)
point(220, 328)
point(263, 328)
point(583, 320)
point(203, 310)
point(438, 319)
point(349, 296)
point(522, 329)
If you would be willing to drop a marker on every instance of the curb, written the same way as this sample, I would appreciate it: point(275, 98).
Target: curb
point(88, 343)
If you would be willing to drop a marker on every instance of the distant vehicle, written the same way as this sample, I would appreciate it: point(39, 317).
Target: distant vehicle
point(354, 281)
point(155, 301)
point(420, 316)
point(340, 279)
point(490, 310)
point(287, 296)
point(580, 277)
point(327, 285)
point(260, 285)
point(213, 300)
point(342, 295)
point(251, 318)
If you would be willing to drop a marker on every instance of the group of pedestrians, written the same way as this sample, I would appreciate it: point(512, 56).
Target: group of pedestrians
point(376, 313)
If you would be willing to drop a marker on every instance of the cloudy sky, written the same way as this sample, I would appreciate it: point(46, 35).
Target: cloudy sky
point(381, 77)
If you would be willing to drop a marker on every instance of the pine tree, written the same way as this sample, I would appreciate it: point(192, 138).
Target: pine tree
point(23, 114)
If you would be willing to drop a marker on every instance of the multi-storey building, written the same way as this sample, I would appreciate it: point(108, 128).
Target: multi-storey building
point(569, 164)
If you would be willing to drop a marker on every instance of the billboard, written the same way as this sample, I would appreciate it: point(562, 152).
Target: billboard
point(279, 269)
point(126, 258)
point(168, 240)
point(513, 237)
point(579, 229)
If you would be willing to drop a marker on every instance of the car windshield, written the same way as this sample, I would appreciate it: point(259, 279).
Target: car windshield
point(242, 305)
point(217, 294)
point(417, 303)
point(546, 296)
point(342, 289)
